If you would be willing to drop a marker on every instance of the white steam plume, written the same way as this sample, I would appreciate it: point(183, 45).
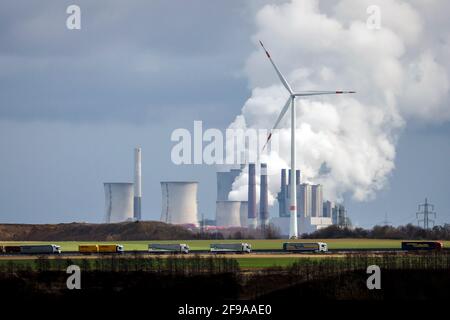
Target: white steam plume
point(347, 143)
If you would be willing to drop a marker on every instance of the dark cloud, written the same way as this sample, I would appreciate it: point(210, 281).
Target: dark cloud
point(131, 60)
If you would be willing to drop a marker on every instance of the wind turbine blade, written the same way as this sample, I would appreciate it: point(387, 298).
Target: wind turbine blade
point(280, 75)
point(318, 93)
point(280, 117)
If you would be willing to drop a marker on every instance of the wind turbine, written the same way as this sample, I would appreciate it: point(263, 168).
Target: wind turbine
point(293, 233)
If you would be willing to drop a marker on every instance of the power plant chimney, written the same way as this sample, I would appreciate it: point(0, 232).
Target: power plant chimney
point(137, 184)
point(283, 178)
point(297, 177)
point(263, 198)
point(252, 221)
point(282, 195)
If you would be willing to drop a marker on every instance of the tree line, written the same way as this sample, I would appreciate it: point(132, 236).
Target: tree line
point(406, 232)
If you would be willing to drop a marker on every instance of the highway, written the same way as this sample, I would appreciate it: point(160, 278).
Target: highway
point(255, 252)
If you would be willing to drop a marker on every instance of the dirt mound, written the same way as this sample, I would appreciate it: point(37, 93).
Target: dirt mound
point(142, 230)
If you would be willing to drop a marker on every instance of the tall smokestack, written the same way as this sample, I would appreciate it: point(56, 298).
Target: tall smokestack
point(252, 221)
point(282, 196)
point(290, 179)
point(137, 184)
point(297, 176)
point(263, 198)
point(283, 178)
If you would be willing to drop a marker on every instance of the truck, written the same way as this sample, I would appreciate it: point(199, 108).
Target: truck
point(230, 247)
point(41, 249)
point(168, 247)
point(12, 249)
point(422, 245)
point(88, 248)
point(305, 246)
point(110, 248)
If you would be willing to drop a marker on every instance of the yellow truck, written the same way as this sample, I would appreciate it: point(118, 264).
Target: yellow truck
point(110, 248)
point(88, 248)
point(100, 248)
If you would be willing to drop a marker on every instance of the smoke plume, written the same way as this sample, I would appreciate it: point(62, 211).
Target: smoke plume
point(347, 143)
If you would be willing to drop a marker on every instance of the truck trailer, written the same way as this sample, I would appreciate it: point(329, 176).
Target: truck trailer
point(110, 248)
point(305, 246)
point(12, 249)
point(168, 248)
point(422, 245)
point(88, 248)
point(230, 247)
point(40, 249)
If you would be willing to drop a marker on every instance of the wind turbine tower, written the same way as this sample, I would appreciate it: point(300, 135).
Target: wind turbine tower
point(293, 233)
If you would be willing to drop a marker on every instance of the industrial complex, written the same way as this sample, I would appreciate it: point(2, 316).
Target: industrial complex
point(312, 211)
point(179, 202)
point(301, 205)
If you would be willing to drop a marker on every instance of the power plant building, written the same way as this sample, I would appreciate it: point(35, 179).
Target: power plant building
point(252, 218)
point(250, 215)
point(228, 214)
point(283, 196)
point(263, 198)
point(225, 181)
point(316, 200)
point(244, 214)
point(137, 184)
point(309, 206)
point(119, 201)
point(327, 209)
point(304, 200)
point(179, 202)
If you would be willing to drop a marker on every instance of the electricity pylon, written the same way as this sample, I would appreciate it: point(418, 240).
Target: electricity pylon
point(426, 210)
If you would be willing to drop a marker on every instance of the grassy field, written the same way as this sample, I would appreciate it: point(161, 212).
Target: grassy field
point(244, 263)
point(256, 244)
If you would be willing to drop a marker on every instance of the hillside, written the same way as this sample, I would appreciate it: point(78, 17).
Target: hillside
point(143, 230)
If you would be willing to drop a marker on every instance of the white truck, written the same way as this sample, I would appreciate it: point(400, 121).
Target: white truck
point(305, 246)
point(230, 247)
point(168, 248)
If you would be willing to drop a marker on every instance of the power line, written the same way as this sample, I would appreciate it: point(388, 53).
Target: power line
point(386, 222)
point(425, 210)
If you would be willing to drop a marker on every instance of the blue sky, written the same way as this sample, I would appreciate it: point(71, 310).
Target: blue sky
point(74, 104)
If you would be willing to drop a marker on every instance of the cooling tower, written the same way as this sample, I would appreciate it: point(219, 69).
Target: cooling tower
point(137, 184)
point(225, 182)
point(263, 198)
point(118, 202)
point(228, 214)
point(179, 202)
point(252, 221)
point(244, 214)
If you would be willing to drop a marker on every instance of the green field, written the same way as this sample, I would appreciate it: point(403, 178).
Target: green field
point(244, 263)
point(256, 244)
